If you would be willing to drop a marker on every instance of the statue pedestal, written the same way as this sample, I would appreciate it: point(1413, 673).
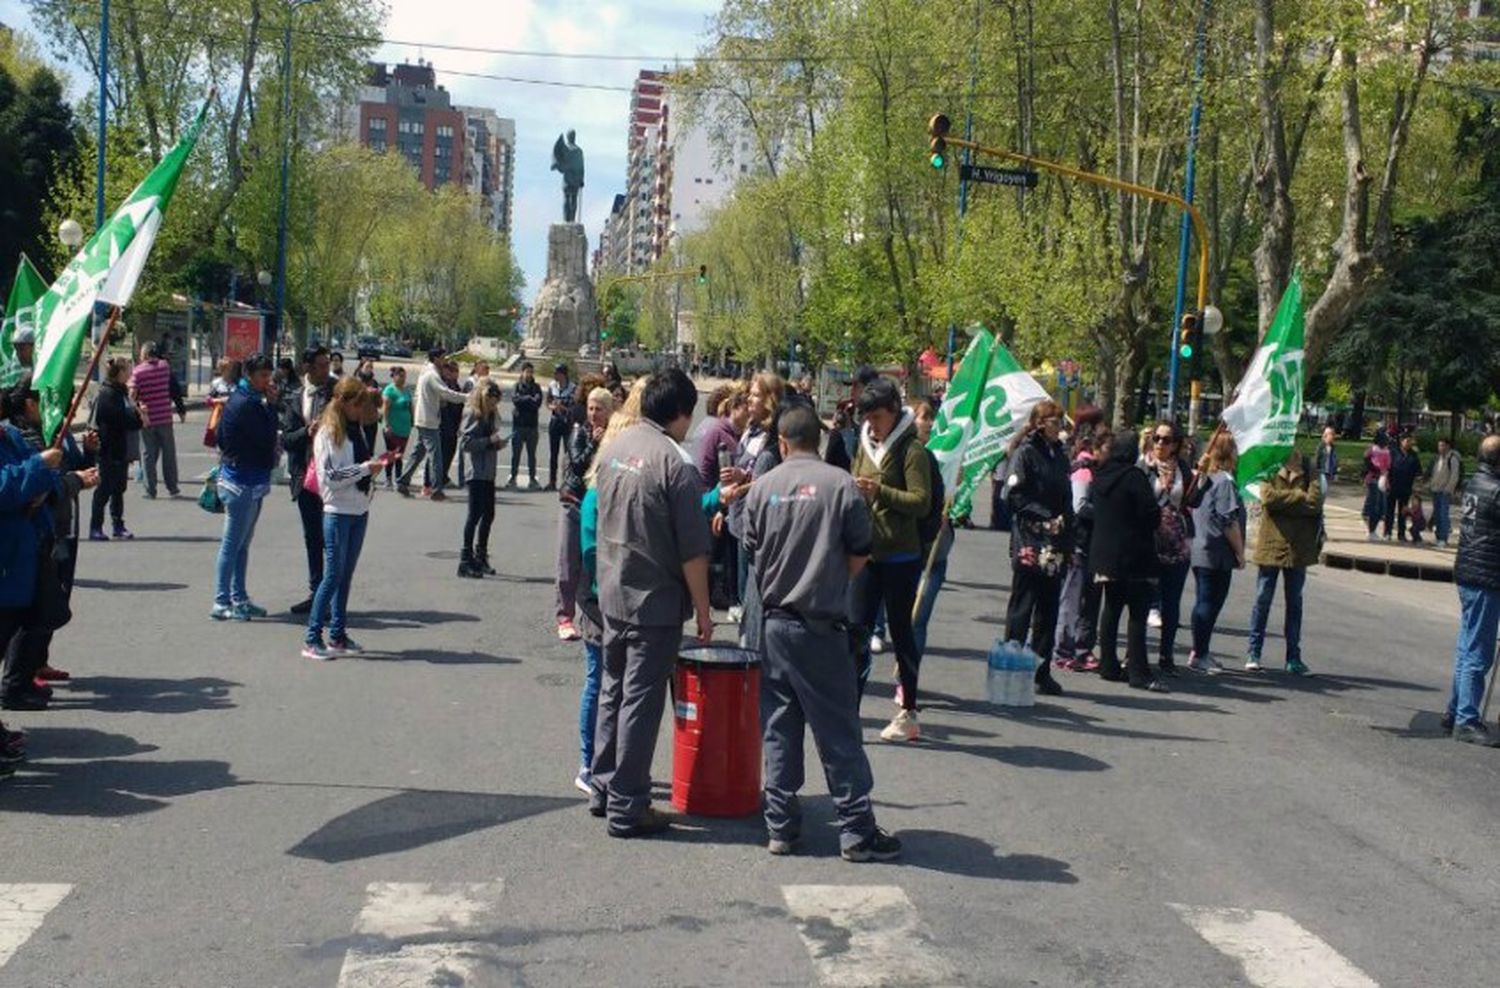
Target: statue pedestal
point(563, 316)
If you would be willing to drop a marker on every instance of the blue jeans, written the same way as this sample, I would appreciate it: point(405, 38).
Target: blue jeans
point(588, 702)
point(1169, 589)
point(926, 601)
point(1441, 525)
point(343, 537)
point(1260, 612)
point(1213, 590)
point(241, 512)
point(1478, 622)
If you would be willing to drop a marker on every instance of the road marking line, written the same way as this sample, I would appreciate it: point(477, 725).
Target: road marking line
point(864, 936)
point(415, 933)
point(22, 909)
point(1274, 949)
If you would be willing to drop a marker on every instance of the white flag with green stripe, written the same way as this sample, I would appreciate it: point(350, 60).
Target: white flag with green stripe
point(1268, 404)
point(105, 270)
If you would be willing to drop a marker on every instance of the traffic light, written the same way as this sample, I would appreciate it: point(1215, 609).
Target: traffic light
point(1187, 336)
point(937, 129)
point(703, 274)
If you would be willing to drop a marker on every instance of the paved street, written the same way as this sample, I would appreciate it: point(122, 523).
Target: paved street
point(204, 808)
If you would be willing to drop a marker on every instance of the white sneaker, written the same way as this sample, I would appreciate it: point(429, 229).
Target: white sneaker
point(876, 645)
point(736, 614)
point(583, 782)
point(1205, 664)
point(1252, 664)
point(903, 727)
point(1153, 620)
point(1374, 537)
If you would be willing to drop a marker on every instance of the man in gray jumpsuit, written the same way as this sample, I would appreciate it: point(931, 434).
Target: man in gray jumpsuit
point(809, 530)
point(653, 574)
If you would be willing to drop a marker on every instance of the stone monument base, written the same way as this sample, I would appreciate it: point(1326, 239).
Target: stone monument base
point(563, 317)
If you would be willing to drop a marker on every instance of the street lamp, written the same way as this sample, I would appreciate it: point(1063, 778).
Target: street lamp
point(286, 151)
point(1213, 320)
point(70, 233)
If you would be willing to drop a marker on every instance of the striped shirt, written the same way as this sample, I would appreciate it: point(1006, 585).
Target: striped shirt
point(152, 381)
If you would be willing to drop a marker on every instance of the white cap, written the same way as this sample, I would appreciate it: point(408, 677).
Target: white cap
point(23, 335)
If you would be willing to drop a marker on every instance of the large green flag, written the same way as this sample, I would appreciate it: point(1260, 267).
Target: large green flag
point(21, 312)
point(106, 270)
point(987, 403)
point(1268, 404)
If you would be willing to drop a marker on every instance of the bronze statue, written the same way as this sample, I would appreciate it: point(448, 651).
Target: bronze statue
point(567, 158)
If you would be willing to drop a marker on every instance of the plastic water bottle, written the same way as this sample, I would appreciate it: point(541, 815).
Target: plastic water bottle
point(998, 679)
point(1024, 679)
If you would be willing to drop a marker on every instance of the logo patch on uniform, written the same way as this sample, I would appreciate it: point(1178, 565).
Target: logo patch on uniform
point(631, 464)
point(802, 492)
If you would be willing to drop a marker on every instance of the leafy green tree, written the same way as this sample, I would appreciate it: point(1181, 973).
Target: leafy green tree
point(40, 141)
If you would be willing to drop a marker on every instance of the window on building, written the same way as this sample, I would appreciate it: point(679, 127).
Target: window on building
point(744, 168)
point(444, 130)
point(418, 127)
point(377, 124)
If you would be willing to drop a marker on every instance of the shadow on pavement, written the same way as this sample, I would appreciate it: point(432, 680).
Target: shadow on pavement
point(381, 620)
point(126, 585)
point(415, 818)
point(441, 657)
point(1149, 701)
point(126, 694)
point(957, 854)
point(108, 788)
point(82, 742)
point(973, 585)
point(1022, 755)
point(1424, 725)
point(178, 538)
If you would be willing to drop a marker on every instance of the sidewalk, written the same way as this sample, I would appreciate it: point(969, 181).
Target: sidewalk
point(1349, 546)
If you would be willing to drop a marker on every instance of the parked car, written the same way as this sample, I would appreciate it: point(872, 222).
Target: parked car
point(369, 348)
point(395, 348)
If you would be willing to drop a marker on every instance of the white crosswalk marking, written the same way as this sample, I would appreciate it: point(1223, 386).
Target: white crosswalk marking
point(420, 933)
point(1276, 952)
point(864, 936)
point(22, 909)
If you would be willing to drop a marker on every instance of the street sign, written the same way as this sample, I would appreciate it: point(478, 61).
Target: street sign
point(998, 176)
point(242, 334)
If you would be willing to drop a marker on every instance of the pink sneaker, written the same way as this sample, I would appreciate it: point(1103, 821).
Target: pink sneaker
point(567, 632)
point(1065, 662)
point(1088, 663)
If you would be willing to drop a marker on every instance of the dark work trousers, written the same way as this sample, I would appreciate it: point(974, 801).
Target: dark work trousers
point(557, 447)
point(638, 662)
point(1034, 599)
point(12, 620)
point(1118, 596)
point(523, 438)
point(28, 650)
point(481, 517)
point(111, 491)
point(806, 682)
point(895, 585)
point(310, 508)
point(569, 561)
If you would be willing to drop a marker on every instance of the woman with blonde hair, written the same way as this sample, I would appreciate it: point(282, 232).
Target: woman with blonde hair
point(1218, 543)
point(758, 453)
point(480, 437)
point(344, 465)
point(583, 444)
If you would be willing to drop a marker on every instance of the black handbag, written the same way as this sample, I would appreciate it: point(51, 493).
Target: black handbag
point(50, 609)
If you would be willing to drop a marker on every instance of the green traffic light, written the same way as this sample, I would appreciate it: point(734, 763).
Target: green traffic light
point(1185, 351)
point(938, 161)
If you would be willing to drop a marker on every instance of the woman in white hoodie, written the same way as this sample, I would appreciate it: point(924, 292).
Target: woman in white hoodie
point(345, 465)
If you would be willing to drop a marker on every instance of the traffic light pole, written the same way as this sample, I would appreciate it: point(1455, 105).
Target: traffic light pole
point(1186, 233)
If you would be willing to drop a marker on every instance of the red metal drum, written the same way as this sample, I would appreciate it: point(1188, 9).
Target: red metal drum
point(716, 742)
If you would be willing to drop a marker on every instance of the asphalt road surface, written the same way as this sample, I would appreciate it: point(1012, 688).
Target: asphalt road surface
point(205, 808)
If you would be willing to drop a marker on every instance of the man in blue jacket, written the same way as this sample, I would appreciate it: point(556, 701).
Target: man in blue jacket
point(27, 478)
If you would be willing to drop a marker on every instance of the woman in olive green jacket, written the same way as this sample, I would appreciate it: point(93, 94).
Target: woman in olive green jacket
point(1288, 543)
point(893, 473)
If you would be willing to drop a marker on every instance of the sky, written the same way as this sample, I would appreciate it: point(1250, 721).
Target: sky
point(657, 30)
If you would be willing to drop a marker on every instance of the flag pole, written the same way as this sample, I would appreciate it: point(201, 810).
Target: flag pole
point(88, 375)
point(932, 557)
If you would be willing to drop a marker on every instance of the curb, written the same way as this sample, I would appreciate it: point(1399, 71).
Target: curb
point(1434, 572)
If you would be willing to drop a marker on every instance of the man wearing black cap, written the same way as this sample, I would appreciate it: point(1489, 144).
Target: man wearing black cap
point(427, 416)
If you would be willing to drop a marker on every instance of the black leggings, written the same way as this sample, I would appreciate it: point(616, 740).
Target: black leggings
point(111, 491)
point(1034, 598)
point(1118, 596)
point(481, 515)
point(895, 585)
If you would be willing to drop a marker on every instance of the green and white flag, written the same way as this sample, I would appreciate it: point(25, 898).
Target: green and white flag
point(989, 400)
point(1268, 404)
point(106, 270)
point(24, 291)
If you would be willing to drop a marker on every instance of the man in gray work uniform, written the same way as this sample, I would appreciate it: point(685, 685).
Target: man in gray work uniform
point(652, 561)
point(809, 531)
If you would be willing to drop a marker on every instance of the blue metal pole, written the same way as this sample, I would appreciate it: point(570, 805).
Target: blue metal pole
point(103, 83)
point(286, 150)
point(1185, 234)
point(963, 183)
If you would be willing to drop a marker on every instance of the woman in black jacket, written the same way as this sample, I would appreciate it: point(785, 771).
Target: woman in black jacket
point(1040, 496)
point(1122, 556)
point(115, 418)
